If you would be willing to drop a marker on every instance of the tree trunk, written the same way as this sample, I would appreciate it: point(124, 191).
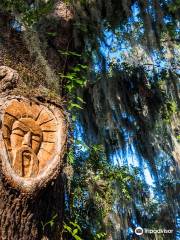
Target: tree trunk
point(23, 217)
point(33, 138)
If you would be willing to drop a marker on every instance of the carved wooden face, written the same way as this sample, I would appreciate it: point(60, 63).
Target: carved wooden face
point(25, 138)
point(29, 131)
point(26, 132)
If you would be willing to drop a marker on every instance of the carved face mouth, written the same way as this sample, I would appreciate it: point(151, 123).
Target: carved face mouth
point(26, 156)
point(26, 162)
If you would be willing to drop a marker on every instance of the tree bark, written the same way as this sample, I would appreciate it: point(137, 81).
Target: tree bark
point(32, 198)
point(33, 139)
point(22, 217)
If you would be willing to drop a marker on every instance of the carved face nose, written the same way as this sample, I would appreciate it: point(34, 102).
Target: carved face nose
point(27, 139)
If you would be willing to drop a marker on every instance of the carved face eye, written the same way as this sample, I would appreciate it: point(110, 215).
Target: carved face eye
point(18, 132)
point(36, 138)
point(16, 138)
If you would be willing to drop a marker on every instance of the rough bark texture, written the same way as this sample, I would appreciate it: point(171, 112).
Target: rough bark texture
point(28, 203)
point(22, 217)
point(25, 212)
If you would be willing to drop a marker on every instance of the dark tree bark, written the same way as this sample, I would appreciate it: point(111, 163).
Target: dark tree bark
point(32, 198)
point(30, 195)
point(22, 216)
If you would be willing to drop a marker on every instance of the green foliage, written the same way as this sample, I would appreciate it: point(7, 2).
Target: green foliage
point(28, 14)
point(69, 53)
point(32, 15)
point(17, 5)
point(145, 96)
point(73, 229)
point(75, 78)
point(175, 6)
point(70, 156)
point(178, 138)
point(100, 236)
point(50, 223)
point(94, 189)
point(169, 110)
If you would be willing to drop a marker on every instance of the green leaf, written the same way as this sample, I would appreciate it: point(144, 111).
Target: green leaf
point(51, 223)
point(69, 53)
point(63, 52)
point(75, 225)
point(69, 87)
point(75, 231)
point(74, 105)
point(77, 237)
point(81, 82)
point(69, 229)
point(76, 69)
point(71, 157)
point(74, 117)
point(53, 34)
point(75, 54)
point(83, 66)
point(80, 99)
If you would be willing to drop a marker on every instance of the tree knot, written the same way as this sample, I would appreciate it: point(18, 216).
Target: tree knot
point(9, 78)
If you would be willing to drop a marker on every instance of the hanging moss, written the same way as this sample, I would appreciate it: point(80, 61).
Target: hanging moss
point(128, 101)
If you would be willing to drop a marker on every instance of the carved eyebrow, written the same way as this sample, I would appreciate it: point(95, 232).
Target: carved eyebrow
point(18, 128)
point(21, 128)
point(19, 134)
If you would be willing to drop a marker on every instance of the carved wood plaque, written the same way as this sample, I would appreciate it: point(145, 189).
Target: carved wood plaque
point(33, 136)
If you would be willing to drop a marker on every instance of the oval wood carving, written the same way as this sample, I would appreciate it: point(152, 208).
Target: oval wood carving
point(33, 141)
